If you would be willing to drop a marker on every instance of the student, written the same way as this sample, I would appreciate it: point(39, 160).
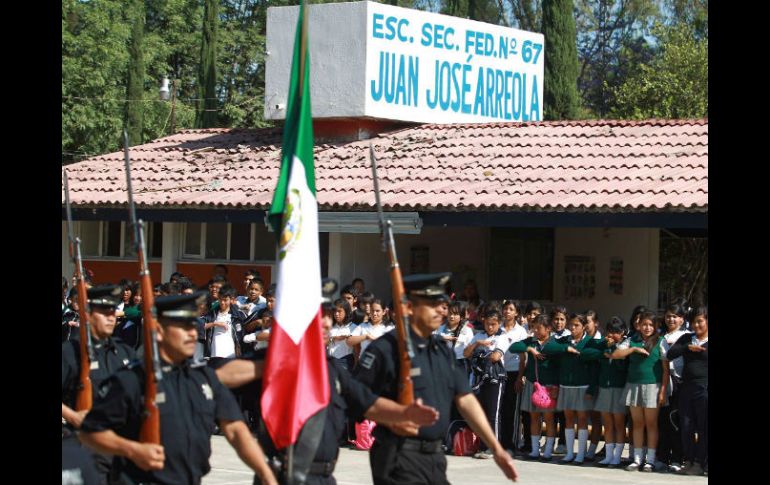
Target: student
point(349, 294)
point(694, 392)
point(339, 333)
point(575, 354)
point(70, 319)
point(251, 304)
point(645, 390)
point(224, 332)
point(473, 301)
point(486, 352)
point(609, 402)
point(249, 276)
point(558, 318)
point(366, 332)
point(511, 397)
point(594, 417)
point(457, 333)
point(533, 309)
point(538, 368)
point(359, 285)
point(670, 439)
point(214, 285)
point(261, 337)
point(129, 327)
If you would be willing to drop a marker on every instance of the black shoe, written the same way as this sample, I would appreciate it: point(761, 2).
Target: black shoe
point(600, 452)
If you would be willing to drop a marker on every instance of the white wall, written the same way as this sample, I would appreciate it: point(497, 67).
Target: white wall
point(461, 250)
point(639, 250)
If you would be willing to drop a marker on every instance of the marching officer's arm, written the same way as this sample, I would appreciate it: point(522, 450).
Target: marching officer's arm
point(117, 397)
point(69, 373)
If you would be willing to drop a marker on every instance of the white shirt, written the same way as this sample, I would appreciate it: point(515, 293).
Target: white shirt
point(252, 307)
point(222, 344)
point(367, 328)
point(339, 348)
point(500, 342)
point(695, 340)
point(463, 338)
point(676, 366)
point(516, 334)
point(563, 333)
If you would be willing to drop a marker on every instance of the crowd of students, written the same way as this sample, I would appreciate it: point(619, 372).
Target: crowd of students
point(644, 382)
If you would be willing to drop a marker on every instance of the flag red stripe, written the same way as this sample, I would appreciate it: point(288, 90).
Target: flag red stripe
point(295, 383)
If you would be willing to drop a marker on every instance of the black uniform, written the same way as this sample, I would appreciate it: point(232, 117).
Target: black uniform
point(77, 465)
point(348, 398)
point(190, 398)
point(437, 380)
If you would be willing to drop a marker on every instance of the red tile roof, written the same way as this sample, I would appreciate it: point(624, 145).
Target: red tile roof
point(597, 166)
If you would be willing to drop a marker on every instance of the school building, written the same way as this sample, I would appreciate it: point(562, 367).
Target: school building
point(566, 212)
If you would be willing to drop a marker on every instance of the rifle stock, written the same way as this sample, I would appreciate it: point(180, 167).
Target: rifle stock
point(150, 429)
point(405, 353)
point(84, 397)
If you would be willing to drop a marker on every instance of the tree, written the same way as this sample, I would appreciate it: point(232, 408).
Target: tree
point(561, 62)
point(673, 85)
point(135, 83)
point(206, 116)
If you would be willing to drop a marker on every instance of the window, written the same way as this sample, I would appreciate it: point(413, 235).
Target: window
point(521, 263)
point(228, 241)
point(115, 239)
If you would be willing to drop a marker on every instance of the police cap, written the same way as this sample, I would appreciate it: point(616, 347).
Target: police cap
point(182, 308)
point(429, 286)
point(105, 295)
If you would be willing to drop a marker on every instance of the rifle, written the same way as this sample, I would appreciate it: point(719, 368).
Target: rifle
point(84, 398)
point(405, 351)
point(150, 430)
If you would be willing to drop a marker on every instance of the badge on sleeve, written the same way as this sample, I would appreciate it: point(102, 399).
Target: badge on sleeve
point(207, 392)
point(367, 360)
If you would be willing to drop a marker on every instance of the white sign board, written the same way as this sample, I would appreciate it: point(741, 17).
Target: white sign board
point(372, 60)
point(435, 68)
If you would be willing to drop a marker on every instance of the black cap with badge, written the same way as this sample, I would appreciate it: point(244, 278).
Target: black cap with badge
point(182, 308)
point(428, 286)
point(105, 295)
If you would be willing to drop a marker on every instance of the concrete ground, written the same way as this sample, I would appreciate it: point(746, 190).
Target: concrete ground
point(353, 469)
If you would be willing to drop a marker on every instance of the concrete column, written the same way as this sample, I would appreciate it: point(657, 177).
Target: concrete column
point(171, 231)
point(335, 256)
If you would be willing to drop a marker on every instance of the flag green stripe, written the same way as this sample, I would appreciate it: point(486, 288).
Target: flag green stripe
point(298, 127)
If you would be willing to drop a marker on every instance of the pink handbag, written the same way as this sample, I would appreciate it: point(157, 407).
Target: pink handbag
point(541, 397)
point(364, 439)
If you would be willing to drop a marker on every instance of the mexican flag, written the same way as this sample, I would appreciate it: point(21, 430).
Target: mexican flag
point(295, 379)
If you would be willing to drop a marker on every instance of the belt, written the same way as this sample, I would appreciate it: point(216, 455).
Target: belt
point(325, 468)
point(423, 446)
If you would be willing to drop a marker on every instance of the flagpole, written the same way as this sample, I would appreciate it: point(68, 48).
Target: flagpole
point(290, 465)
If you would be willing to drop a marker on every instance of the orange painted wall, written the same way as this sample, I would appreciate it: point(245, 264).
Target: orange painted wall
point(201, 273)
point(114, 271)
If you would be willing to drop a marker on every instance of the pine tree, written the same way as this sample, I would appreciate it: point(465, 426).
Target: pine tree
point(207, 76)
point(561, 61)
point(134, 121)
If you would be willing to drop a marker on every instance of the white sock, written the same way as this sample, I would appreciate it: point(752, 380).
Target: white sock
point(651, 456)
point(535, 445)
point(591, 450)
point(637, 456)
point(548, 446)
point(569, 438)
point(609, 453)
point(582, 443)
point(618, 453)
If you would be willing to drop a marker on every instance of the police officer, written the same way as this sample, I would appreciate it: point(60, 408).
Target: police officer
point(189, 397)
point(109, 355)
point(403, 454)
point(347, 398)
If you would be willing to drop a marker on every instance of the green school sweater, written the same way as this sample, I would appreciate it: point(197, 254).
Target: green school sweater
point(612, 372)
point(643, 369)
point(574, 369)
point(547, 369)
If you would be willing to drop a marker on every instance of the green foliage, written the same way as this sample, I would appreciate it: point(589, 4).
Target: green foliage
point(674, 84)
point(561, 62)
point(206, 116)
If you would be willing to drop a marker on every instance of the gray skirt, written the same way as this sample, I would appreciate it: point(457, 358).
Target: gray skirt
point(642, 395)
point(610, 400)
point(526, 400)
point(574, 399)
